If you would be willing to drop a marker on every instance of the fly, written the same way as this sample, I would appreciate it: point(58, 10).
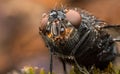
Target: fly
point(77, 37)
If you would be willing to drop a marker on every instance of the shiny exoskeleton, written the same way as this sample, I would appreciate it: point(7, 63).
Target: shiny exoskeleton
point(86, 44)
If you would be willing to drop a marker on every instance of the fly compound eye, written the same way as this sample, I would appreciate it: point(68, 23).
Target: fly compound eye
point(73, 17)
point(44, 21)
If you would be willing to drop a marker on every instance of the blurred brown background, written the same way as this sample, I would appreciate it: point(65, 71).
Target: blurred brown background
point(20, 43)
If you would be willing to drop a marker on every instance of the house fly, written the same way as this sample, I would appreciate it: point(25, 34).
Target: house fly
point(78, 38)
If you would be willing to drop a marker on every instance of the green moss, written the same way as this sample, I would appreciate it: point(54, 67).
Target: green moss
point(110, 70)
point(29, 70)
point(42, 71)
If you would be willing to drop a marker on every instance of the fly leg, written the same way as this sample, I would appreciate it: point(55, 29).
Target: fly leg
point(51, 63)
point(64, 65)
point(80, 42)
point(51, 54)
point(82, 70)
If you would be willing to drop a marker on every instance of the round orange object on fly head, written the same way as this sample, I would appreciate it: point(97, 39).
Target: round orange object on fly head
point(74, 17)
point(43, 21)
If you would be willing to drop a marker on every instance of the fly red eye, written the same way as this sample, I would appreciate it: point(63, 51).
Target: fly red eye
point(74, 17)
point(44, 21)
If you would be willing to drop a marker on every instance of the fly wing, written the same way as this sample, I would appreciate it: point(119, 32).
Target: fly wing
point(114, 32)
